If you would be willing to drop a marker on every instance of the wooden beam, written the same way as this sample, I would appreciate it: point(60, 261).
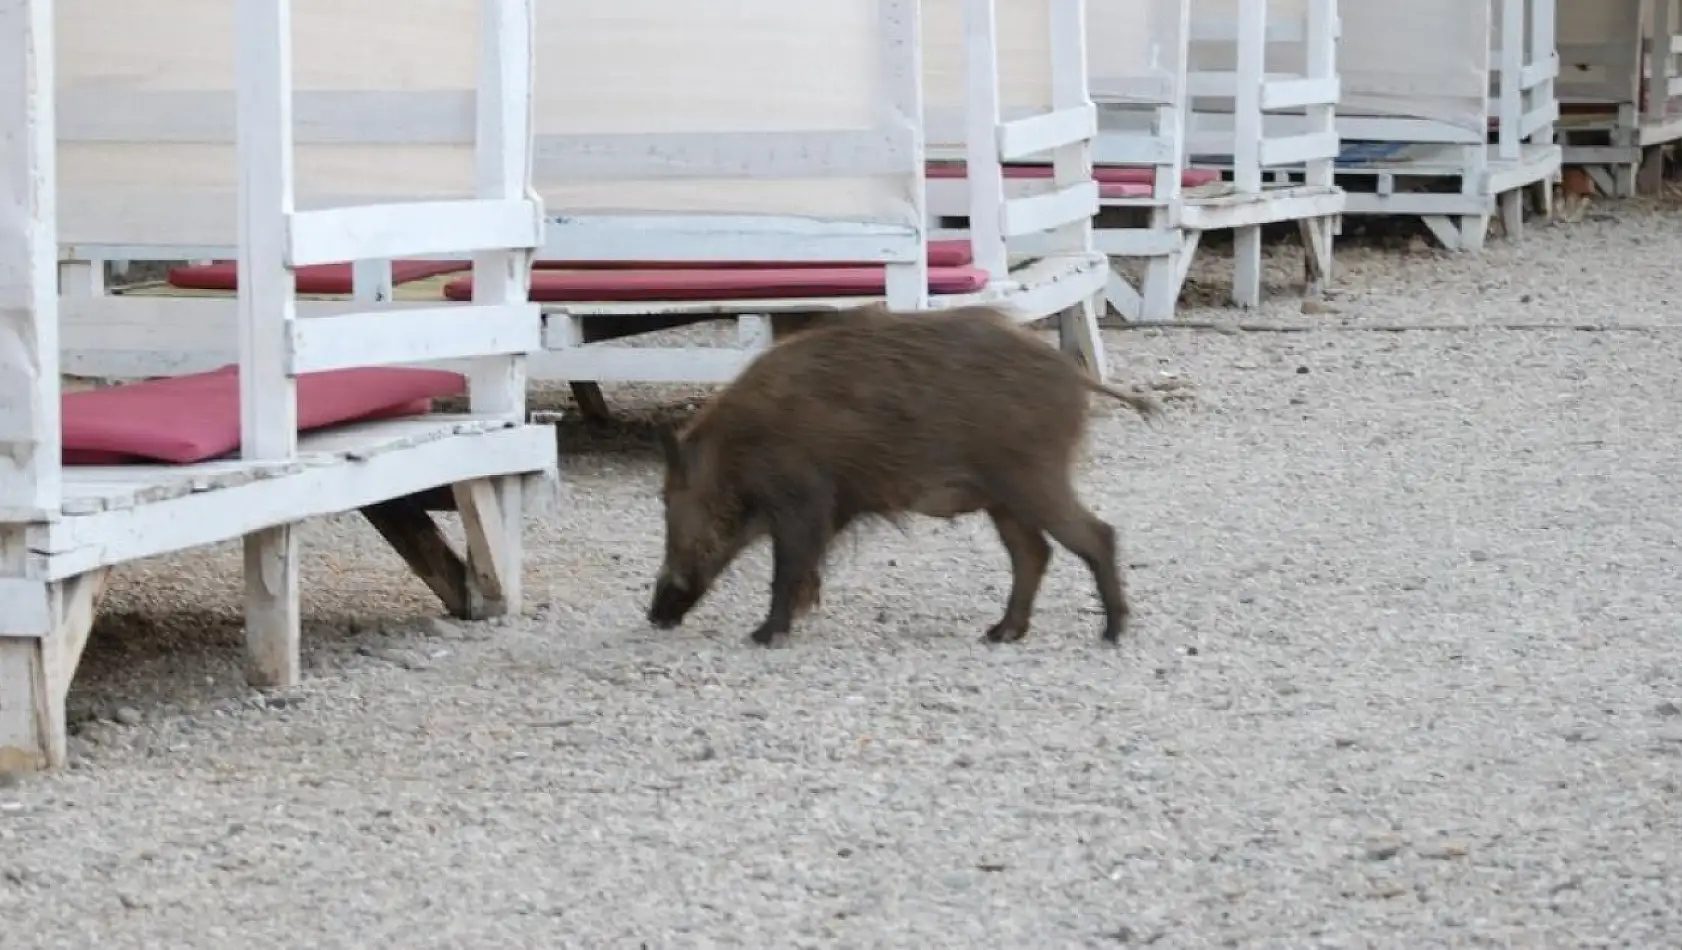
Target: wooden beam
point(411, 532)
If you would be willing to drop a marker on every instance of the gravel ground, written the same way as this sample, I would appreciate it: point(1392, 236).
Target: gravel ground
point(1404, 674)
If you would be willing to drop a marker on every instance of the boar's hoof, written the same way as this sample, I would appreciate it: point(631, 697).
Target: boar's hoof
point(1005, 632)
point(768, 635)
point(1113, 629)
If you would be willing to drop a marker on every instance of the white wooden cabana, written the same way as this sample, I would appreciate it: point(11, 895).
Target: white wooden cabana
point(1249, 62)
point(1620, 89)
point(186, 138)
point(1439, 117)
point(787, 165)
point(737, 182)
point(1155, 208)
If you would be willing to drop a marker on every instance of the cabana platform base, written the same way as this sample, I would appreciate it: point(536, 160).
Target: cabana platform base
point(115, 514)
point(1454, 198)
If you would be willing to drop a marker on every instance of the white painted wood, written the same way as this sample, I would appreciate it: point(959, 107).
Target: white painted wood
point(795, 153)
point(1028, 137)
point(1045, 212)
point(354, 468)
point(398, 230)
point(268, 395)
point(1296, 149)
point(1071, 163)
point(26, 608)
point(726, 238)
point(94, 112)
point(982, 138)
point(371, 281)
point(29, 370)
point(494, 513)
point(420, 335)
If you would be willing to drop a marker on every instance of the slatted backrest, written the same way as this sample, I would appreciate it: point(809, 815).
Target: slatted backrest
point(1024, 64)
point(672, 129)
point(1213, 40)
point(384, 110)
point(1426, 59)
point(1599, 47)
point(1137, 63)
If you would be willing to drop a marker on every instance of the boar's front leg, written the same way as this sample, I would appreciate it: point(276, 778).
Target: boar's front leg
point(800, 534)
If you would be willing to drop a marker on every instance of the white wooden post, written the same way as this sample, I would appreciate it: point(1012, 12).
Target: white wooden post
point(1078, 331)
point(31, 704)
point(1510, 112)
point(1161, 290)
point(1321, 37)
point(908, 283)
point(29, 372)
point(982, 114)
point(1248, 130)
point(268, 392)
point(493, 513)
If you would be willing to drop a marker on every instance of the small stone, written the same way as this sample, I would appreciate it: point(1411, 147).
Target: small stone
point(1343, 742)
point(1312, 307)
point(1443, 851)
point(1383, 847)
point(129, 716)
point(1246, 598)
point(1303, 371)
point(10, 779)
point(1479, 556)
point(1668, 709)
point(962, 762)
point(132, 901)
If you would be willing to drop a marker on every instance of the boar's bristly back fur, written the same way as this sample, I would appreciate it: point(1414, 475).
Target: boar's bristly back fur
point(878, 414)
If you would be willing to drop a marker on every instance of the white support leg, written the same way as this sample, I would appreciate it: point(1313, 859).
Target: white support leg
point(1247, 266)
point(1443, 228)
point(1512, 214)
point(267, 308)
point(493, 512)
point(1078, 335)
point(36, 672)
point(494, 585)
point(1474, 228)
point(1316, 234)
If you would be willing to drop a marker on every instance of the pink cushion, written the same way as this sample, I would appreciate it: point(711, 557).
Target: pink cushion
point(187, 419)
point(314, 279)
point(725, 283)
point(952, 253)
point(1104, 175)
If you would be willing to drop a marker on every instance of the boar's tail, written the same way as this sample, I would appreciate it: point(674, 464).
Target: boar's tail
point(1145, 406)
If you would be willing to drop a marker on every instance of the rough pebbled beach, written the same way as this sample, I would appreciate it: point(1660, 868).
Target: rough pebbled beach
point(1405, 673)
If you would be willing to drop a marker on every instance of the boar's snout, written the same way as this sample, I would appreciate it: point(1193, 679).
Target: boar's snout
point(673, 598)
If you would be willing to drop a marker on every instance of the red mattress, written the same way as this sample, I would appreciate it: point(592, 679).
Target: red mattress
point(314, 279)
point(188, 419)
point(1114, 181)
point(723, 283)
point(952, 253)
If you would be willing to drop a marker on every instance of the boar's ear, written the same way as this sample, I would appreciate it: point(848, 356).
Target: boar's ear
point(676, 459)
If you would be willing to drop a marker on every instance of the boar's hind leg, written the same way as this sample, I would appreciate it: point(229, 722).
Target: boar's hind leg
point(1049, 503)
point(799, 536)
point(1029, 554)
